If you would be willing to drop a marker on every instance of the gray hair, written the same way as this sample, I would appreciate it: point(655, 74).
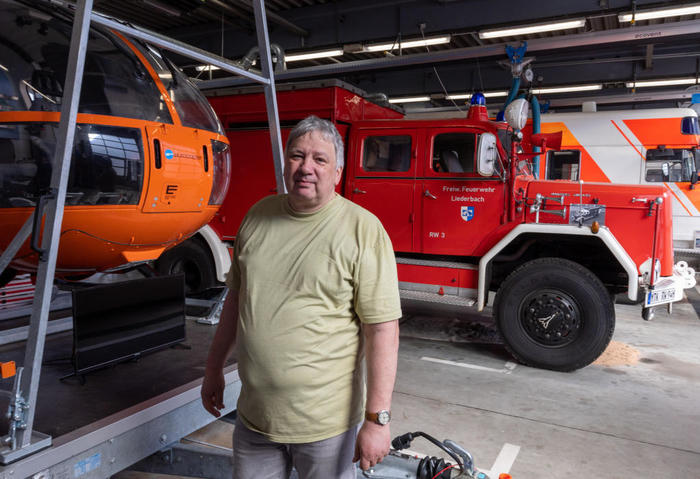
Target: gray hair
point(327, 130)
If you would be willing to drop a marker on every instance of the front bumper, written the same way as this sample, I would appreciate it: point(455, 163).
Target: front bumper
point(669, 289)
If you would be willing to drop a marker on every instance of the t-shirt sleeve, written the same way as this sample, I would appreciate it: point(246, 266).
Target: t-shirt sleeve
point(376, 283)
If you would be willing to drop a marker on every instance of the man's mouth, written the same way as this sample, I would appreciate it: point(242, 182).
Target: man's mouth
point(303, 181)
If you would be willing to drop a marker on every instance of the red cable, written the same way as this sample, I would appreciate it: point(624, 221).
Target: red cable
point(438, 474)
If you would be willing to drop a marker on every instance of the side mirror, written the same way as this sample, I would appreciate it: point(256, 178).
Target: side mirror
point(487, 154)
point(695, 174)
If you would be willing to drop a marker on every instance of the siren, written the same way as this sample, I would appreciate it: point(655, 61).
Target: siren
point(477, 108)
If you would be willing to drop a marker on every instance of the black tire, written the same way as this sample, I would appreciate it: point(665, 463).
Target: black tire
point(579, 314)
point(192, 259)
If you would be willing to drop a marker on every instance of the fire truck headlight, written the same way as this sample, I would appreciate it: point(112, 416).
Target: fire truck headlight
point(221, 171)
point(516, 113)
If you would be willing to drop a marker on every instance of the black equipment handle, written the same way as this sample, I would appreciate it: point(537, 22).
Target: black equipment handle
point(36, 225)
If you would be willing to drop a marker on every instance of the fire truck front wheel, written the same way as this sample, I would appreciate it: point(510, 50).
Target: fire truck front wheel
point(192, 259)
point(554, 314)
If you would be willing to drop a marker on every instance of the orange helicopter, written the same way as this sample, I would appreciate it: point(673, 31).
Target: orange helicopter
point(150, 162)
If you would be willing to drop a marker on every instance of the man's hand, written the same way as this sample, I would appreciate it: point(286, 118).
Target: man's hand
point(213, 391)
point(372, 444)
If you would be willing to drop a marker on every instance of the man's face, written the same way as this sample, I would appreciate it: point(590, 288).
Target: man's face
point(310, 172)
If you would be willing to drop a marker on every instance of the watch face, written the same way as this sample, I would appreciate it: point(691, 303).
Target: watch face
point(383, 417)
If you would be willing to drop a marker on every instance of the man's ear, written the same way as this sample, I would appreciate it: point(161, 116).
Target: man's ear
point(338, 175)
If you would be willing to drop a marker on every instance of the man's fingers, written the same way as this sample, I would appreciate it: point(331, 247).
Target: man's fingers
point(209, 405)
point(364, 464)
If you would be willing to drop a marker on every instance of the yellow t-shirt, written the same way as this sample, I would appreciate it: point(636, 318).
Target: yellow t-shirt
point(305, 283)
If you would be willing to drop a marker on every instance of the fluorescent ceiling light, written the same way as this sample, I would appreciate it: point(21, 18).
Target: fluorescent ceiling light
point(409, 99)
point(673, 81)
point(466, 96)
point(568, 89)
point(528, 29)
point(295, 57)
point(661, 13)
point(422, 42)
point(201, 68)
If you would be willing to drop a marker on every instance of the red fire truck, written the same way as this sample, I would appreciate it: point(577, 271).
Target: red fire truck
point(466, 218)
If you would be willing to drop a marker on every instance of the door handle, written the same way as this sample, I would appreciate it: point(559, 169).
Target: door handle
point(359, 191)
point(428, 194)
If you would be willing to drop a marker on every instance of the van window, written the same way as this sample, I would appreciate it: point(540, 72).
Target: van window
point(454, 152)
point(563, 165)
point(669, 165)
point(689, 125)
point(387, 153)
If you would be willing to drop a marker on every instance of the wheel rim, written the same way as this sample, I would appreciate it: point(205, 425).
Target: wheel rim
point(550, 317)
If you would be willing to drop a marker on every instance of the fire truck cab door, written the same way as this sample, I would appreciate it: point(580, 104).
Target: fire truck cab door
point(458, 206)
point(384, 164)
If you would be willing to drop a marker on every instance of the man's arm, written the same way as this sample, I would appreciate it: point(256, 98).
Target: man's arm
point(381, 348)
point(220, 349)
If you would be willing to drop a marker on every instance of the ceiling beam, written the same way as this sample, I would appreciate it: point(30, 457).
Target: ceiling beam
point(627, 34)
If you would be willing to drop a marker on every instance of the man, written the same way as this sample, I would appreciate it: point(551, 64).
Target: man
point(313, 284)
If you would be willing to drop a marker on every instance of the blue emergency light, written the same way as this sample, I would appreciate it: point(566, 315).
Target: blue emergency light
point(478, 99)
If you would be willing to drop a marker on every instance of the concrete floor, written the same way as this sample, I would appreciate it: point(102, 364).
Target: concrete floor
point(634, 416)
point(636, 419)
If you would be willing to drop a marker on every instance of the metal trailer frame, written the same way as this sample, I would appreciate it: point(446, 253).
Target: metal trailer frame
point(109, 445)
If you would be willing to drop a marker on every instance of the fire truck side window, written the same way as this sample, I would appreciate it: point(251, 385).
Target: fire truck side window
point(563, 165)
point(454, 153)
point(668, 164)
point(387, 153)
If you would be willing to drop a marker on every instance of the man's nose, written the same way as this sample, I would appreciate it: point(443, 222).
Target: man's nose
point(306, 164)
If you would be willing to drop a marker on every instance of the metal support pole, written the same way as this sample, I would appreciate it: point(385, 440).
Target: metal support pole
point(16, 243)
point(54, 216)
point(178, 47)
point(270, 96)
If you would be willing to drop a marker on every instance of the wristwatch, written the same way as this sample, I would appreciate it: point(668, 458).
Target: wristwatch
point(381, 417)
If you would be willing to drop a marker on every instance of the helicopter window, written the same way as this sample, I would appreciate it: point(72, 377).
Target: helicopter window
point(669, 165)
point(106, 167)
point(34, 49)
point(191, 105)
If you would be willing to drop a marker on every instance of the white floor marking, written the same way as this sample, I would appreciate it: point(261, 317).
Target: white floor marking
point(504, 461)
point(507, 369)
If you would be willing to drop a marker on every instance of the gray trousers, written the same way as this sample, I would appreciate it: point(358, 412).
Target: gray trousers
point(256, 457)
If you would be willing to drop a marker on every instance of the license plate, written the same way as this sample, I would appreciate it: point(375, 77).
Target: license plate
point(660, 296)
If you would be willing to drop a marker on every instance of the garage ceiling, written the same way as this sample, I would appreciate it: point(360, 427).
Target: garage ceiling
point(602, 51)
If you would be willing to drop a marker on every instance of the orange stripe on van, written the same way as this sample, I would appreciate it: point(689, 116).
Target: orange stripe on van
point(590, 171)
point(678, 199)
point(659, 131)
point(628, 140)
